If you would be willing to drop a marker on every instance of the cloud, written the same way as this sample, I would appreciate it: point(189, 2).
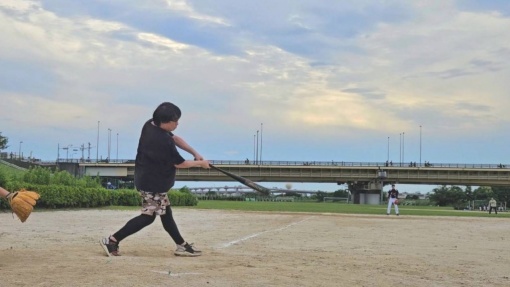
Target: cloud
point(367, 93)
point(364, 69)
point(184, 8)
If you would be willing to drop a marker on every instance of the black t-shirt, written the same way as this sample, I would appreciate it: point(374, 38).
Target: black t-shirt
point(156, 158)
point(393, 193)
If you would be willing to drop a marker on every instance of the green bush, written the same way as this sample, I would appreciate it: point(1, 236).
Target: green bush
point(124, 197)
point(461, 205)
point(62, 196)
point(37, 175)
point(180, 198)
point(62, 190)
point(44, 176)
point(4, 178)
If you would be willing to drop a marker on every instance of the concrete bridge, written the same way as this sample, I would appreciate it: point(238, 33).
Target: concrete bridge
point(365, 180)
point(319, 172)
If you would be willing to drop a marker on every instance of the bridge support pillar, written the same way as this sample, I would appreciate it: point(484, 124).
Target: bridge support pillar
point(366, 192)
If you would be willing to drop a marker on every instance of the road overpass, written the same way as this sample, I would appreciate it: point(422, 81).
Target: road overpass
point(320, 172)
point(365, 180)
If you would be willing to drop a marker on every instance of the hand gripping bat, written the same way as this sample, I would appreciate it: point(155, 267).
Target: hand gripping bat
point(245, 181)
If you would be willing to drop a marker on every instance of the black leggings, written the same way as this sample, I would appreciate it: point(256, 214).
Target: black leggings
point(138, 223)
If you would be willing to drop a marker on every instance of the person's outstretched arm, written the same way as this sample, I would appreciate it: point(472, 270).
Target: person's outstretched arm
point(194, 163)
point(182, 144)
point(3, 192)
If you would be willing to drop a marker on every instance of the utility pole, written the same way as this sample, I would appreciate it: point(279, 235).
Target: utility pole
point(82, 148)
point(97, 144)
point(88, 152)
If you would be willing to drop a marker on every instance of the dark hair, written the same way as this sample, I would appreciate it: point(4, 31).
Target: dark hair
point(166, 112)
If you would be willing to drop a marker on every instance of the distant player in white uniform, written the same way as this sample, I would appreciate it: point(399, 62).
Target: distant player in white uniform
point(392, 200)
point(493, 205)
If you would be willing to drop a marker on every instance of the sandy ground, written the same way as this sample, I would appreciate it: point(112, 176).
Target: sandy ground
point(60, 248)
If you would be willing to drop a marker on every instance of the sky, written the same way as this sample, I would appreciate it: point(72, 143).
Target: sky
point(354, 81)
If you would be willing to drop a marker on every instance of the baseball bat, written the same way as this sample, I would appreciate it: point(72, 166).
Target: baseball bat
point(243, 180)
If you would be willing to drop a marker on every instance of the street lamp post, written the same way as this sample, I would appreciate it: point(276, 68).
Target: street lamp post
point(117, 147)
point(257, 157)
point(19, 152)
point(109, 142)
point(261, 142)
point(403, 145)
point(97, 144)
point(67, 151)
point(420, 145)
point(254, 158)
point(400, 151)
point(388, 158)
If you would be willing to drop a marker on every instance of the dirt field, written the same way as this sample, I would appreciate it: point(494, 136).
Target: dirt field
point(60, 248)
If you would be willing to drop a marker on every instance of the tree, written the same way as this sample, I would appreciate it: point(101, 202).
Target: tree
point(3, 142)
point(341, 193)
point(319, 195)
point(470, 195)
point(483, 193)
point(185, 189)
point(458, 197)
point(292, 193)
point(501, 194)
point(445, 196)
point(440, 195)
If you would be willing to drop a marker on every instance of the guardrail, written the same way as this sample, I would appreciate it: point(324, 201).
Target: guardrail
point(313, 163)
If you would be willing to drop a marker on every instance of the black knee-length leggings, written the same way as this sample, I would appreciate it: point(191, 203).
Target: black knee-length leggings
point(138, 223)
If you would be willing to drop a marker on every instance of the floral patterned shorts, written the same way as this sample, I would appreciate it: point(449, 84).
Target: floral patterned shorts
point(154, 203)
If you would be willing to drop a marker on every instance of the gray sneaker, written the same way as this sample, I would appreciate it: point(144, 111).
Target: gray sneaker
point(187, 250)
point(111, 248)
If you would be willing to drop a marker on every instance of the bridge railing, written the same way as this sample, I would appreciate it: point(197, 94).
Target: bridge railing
point(359, 164)
point(312, 163)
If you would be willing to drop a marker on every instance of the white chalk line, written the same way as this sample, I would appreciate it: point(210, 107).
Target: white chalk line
point(169, 273)
point(260, 233)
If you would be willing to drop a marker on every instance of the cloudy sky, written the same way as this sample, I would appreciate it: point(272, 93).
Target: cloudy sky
point(326, 80)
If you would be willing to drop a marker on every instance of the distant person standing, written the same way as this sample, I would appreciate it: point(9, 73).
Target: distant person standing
point(392, 200)
point(493, 205)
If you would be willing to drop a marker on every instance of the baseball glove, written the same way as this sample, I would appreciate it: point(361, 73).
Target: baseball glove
point(395, 202)
point(22, 203)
